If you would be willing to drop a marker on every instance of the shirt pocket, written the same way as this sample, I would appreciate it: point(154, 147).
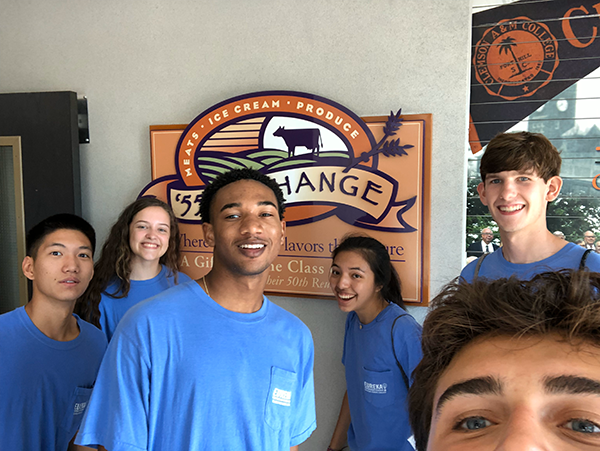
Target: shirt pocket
point(75, 409)
point(279, 400)
point(378, 387)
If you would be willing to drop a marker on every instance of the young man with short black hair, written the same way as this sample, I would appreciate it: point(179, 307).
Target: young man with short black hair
point(49, 357)
point(510, 365)
point(212, 364)
point(519, 176)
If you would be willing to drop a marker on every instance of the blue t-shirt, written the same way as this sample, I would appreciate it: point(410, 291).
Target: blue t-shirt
point(377, 393)
point(495, 265)
point(45, 384)
point(113, 309)
point(184, 373)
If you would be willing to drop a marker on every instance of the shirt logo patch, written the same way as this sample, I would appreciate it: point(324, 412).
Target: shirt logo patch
point(282, 397)
point(79, 408)
point(376, 389)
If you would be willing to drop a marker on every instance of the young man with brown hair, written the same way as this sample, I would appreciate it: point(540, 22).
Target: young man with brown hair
point(212, 364)
point(510, 364)
point(519, 176)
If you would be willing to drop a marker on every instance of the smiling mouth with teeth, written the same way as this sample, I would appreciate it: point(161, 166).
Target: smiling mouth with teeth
point(511, 208)
point(252, 246)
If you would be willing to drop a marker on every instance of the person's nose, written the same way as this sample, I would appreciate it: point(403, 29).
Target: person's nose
point(251, 225)
point(70, 264)
point(150, 232)
point(524, 432)
point(508, 191)
point(343, 281)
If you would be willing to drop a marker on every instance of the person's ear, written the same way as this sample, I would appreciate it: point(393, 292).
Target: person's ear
point(27, 267)
point(282, 232)
point(209, 235)
point(481, 191)
point(554, 185)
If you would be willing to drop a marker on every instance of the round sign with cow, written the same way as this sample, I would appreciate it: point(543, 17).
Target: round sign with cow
point(339, 174)
point(320, 152)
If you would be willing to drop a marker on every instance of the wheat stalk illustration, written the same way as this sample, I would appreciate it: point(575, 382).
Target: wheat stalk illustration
point(390, 148)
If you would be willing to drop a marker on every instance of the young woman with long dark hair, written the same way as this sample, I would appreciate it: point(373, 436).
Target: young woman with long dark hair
point(381, 348)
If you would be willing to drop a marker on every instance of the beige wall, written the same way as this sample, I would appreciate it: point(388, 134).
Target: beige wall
point(160, 62)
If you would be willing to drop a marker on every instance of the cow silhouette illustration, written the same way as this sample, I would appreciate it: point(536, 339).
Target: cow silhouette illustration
point(303, 137)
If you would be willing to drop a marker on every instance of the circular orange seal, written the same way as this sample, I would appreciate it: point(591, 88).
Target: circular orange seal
point(515, 58)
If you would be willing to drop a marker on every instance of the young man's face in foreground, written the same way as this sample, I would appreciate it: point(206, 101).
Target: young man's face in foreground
point(531, 393)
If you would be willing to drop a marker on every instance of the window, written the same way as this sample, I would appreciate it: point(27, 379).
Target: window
point(571, 120)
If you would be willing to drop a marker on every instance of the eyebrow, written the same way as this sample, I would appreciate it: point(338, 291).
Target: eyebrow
point(518, 171)
point(355, 268)
point(64, 247)
point(571, 385)
point(148, 222)
point(479, 386)
point(237, 204)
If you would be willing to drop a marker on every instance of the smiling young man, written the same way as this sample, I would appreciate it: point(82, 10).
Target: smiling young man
point(519, 176)
point(511, 365)
point(49, 357)
point(212, 364)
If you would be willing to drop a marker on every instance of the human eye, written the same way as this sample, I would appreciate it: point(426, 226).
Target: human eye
point(356, 276)
point(583, 426)
point(524, 178)
point(494, 181)
point(472, 424)
point(163, 230)
point(56, 253)
point(141, 226)
point(84, 255)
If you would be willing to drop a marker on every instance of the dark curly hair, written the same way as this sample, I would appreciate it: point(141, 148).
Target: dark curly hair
point(115, 261)
point(236, 175)
point(565, 304)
